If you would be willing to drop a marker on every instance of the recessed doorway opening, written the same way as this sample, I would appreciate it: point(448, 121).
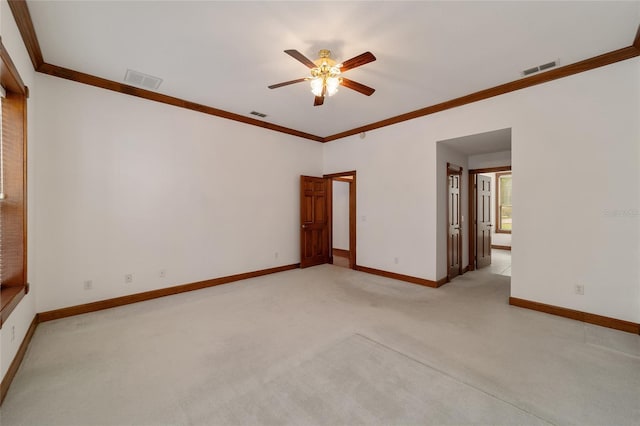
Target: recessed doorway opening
point(490, 213)
point(342, 222)
point(465, 242)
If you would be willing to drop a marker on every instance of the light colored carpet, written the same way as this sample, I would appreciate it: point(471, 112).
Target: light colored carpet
point(360, 382)
point(288, 348)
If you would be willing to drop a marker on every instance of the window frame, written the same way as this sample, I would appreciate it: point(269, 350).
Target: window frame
point(498, 224)
point(14, 133)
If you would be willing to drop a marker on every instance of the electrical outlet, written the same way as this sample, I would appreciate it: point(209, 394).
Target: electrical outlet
point(580, 289)
point(163, 273)
point(88, 285)
point(128, 278)
point(276, 254)
point(13, 333)
point(396, 260)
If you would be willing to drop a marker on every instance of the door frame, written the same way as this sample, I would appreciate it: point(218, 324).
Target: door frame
point(453, 169)
point(349, 177)
point(473, 211)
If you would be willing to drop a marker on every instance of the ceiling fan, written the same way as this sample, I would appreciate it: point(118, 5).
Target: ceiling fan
point(326, 74)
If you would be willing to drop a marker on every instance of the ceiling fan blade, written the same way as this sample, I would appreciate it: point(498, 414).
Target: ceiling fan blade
point(319, 100)
point(286, 83)
point(358, 87)
point(300, 57)
point(362, 59)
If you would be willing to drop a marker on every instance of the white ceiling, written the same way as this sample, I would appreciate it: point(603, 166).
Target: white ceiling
point(225, 54)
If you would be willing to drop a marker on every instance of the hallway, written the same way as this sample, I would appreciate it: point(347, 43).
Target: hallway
point(500, 262)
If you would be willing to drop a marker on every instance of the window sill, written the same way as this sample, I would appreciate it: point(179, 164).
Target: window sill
point(10, 296)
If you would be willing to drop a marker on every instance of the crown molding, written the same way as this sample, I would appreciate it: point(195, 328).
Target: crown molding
point(103, 83)
point(24, 22)
point(21, 14)
point(554, 74)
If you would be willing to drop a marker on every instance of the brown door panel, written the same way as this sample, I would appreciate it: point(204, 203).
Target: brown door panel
point(483, 221)
point(454, 229)
point(314, 225)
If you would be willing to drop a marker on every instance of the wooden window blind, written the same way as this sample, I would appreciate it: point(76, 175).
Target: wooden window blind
point(13, 208)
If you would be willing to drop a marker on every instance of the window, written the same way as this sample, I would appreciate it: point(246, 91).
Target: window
point(503, 202)
point(13, 246)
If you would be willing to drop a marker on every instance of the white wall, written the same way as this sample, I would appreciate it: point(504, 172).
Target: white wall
point(580, 161)
point(340, 215)
point(129, 186)
point(395, 197)
point(581, 131)
point(15, 328)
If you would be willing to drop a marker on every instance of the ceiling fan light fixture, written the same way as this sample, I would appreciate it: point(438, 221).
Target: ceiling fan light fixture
point(326, 73)
point(327, 84)
point(316, 86)
point(332, 85)
point(325, 77)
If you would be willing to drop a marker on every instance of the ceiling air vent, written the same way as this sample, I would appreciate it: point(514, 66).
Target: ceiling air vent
point(547, 66)
point(142, 80)
point(539, 68)
point(259, 114)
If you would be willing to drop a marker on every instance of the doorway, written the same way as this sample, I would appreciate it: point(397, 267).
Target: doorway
point(470, 152)
point(340, 187)
point(490, 219)
point(317, 222)
point(342, 223)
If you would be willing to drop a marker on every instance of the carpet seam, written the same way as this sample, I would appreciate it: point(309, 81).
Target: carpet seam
point(456, 379)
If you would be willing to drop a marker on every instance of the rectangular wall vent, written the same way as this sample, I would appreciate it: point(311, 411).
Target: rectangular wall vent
point(539, 68)
point(142, 80)
point(547, 65)
point(259, 114)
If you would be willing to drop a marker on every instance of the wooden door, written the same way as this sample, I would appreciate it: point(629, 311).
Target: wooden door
point(483, 221)
point(314, 221)
point(454, 234)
